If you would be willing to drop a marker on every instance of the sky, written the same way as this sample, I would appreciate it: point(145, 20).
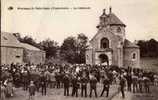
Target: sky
point(140, 16)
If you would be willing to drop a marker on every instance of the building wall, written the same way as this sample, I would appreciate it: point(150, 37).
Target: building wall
point(109, 55)
point(128, 60)
point(89, 56)
point(11, 55)
point(34, 57)
point(114, 41)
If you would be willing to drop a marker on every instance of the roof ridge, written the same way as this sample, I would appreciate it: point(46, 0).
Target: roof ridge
point(29, 46)
point(9, 40)
point(114, 19)
point(128, 43)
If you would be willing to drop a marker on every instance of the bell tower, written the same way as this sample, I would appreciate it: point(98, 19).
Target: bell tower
point(103, 20)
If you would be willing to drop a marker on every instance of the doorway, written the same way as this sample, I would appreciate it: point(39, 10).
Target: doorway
point(104, 59)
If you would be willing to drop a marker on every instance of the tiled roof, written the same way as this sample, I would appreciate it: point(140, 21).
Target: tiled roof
point(128, 44)
point(114, 20)
point(29, 47)
point(9, 40)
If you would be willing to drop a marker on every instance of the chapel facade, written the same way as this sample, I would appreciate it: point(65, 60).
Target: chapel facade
point(109, 46)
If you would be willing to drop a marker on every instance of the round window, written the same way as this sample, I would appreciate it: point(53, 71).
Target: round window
point(118, 29)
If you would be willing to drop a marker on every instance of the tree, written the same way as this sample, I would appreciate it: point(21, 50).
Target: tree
point(50, 47)
point(143, 47)
point(73, 49)
point(81, 47)
point(68, 49)
point(18, 36)
point(148, 48)
point(26, 39)
point(29, 40)
point(152, 48)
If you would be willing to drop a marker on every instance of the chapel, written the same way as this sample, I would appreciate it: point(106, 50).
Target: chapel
point(109, 45)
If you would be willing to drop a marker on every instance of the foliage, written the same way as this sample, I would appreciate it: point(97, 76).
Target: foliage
point(50, 47)
point(148, 48)
point(68, 49)
point(81, 47)
point(26, 39)
point(73, 49)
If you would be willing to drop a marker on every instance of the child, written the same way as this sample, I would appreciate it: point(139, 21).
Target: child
point(32, 89)
point(3, 90)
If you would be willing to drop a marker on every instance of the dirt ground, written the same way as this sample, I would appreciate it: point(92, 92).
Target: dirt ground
point(58, 94)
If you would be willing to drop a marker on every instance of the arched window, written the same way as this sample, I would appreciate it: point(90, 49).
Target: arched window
point(104, 43)
point(134, 56)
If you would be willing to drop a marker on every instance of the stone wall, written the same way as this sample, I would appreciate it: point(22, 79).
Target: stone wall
point(89, 56)
point(114, 41)
point(11, 55)
point(109, 55)
point(128, 57)
point(34, 57)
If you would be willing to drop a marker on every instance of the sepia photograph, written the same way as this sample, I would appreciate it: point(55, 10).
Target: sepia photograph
point(79, 50)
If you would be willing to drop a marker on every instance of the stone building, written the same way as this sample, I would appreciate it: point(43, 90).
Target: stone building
point(11, 50)
point(109, 46)
point(32, 54)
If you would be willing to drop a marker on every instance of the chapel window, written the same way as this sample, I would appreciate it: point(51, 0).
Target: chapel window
point(118, 30)
point(104, 43)
point(134, 56)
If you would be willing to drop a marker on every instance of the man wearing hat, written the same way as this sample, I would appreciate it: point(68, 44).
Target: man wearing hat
point(84, 81)
point(93, 85)
point(66, 82)
point(106, 83)
point(75, 85)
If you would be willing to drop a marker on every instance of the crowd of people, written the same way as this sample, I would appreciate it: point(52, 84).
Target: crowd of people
point(38, 78)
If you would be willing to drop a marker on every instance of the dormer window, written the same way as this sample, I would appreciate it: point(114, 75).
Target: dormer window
point(104, 43)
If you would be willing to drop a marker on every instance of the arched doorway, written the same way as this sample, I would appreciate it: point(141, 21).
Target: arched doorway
point(104, 43)
point(104, 59)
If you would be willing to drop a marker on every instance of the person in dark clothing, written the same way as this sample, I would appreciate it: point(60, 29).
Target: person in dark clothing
point(129, 81)
point(43, 84)
point(66, 82)
point(110, 76)
point(75, 86)
point(122, 85)
point(37, 82)
point(135, 83)
point(146, 84)
point(106, 83)
point(140, 83)
point(25, 80)
point(84, 81)
point(57, 77)
point(93, 83)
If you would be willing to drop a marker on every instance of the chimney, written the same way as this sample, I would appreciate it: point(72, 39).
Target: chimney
point(110, 10)
point(104, 11)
